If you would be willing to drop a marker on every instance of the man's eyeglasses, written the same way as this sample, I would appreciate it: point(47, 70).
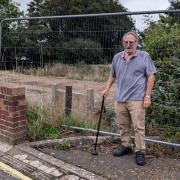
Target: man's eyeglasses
point(129, 42)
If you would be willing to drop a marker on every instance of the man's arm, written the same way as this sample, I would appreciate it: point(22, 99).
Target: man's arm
point(110, 82)
point(149, 87)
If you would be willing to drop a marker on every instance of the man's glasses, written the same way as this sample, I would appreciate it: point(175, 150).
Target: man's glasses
point(129, 42)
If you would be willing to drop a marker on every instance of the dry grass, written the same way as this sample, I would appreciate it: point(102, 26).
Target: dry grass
point(76, 72)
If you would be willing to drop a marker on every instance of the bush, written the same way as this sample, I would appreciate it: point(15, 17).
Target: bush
point(162, 42)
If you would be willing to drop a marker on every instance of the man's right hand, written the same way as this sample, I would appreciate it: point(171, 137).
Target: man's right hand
point(104, 92)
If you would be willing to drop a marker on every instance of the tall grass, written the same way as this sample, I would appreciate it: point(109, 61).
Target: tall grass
point(43, 122)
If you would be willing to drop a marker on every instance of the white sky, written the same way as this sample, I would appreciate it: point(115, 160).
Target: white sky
point(132, 5)
point(145, 5)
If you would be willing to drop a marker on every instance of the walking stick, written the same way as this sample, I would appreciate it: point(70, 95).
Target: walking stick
point(94, 152)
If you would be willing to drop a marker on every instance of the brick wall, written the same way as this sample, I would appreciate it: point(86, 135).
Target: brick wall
point(12, 114)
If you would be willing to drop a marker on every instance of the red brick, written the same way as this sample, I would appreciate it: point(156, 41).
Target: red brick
point(21, 102)
point(22, 123)
point(22, 107)
point(11, 124)
point(12, 98)
point(22, 133)
point(6, 91)
point(23, 113)
point(2, 122)
point(12, 108)
point(6, 113)
point(9, 134)
point(14, 114)
point(10, 103)
point(21, 97)
point(2, 96)
point(2, 127)
point(2, 131)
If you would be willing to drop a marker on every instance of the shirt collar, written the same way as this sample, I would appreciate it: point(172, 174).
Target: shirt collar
point(123, 54)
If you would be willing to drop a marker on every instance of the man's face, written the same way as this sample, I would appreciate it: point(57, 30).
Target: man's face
point(130, 44)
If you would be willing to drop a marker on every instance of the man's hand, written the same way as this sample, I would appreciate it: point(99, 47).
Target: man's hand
point(104, 92)
point(147, 102)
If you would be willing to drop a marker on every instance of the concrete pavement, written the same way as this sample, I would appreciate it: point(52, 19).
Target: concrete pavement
point(36, 165)
point(47, 163)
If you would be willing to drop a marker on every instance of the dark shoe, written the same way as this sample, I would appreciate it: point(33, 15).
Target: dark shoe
point(140, 158)
point(122, 150)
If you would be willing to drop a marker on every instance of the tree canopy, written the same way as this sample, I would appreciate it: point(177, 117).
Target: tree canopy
point(64, 7)
point(8, 9)
point(104, 32)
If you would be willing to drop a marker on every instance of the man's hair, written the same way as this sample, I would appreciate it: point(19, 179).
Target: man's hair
point(131, 33)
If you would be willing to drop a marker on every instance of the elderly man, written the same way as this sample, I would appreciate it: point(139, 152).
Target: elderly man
point(134, 72)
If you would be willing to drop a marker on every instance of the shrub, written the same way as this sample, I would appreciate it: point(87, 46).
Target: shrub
point(162, 41)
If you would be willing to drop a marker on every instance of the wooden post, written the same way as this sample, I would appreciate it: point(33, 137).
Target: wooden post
point(55, 94)
point(68, 101)
point(90, 100)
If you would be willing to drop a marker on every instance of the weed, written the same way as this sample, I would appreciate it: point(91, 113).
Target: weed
point(64, 145)
point(50, 132)
point(74, 121)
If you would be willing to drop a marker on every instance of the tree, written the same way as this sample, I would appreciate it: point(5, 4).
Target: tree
point(8, 9)
point(174, 4)
point(106, 31)
point(175, 17)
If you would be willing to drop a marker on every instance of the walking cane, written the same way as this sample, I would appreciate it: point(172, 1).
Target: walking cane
point(94, 152)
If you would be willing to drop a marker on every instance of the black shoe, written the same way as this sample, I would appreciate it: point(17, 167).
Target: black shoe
point(140, 158)
point(122, 150)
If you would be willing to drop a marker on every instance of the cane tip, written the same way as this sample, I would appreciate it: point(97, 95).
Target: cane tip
point(94, 153)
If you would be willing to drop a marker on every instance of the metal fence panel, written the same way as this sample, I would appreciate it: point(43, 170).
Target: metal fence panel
point(79, 48)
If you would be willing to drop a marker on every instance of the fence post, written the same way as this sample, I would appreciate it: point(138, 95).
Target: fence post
point(90, 100)
point(55, 94)
point(68, 101)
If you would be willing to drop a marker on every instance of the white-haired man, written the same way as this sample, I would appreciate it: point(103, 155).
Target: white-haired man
point(134, 72)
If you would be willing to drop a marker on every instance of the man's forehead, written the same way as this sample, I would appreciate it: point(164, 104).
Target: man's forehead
point(129, 36)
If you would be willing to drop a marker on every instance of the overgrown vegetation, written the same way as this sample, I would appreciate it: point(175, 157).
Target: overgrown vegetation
point(42, 125)
point(77, 122)
point(162, 41)
point(64, 145)
point(51, 132)
point(80, 71)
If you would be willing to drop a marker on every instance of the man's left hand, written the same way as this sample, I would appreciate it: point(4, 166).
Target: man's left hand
point(147, 102)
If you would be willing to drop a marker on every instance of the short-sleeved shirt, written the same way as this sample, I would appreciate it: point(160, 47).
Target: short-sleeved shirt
point(131, 76)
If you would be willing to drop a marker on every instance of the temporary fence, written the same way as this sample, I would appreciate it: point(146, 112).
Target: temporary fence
point(50, 54)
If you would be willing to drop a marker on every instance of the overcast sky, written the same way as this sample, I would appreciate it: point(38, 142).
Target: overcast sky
point(132, 5)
